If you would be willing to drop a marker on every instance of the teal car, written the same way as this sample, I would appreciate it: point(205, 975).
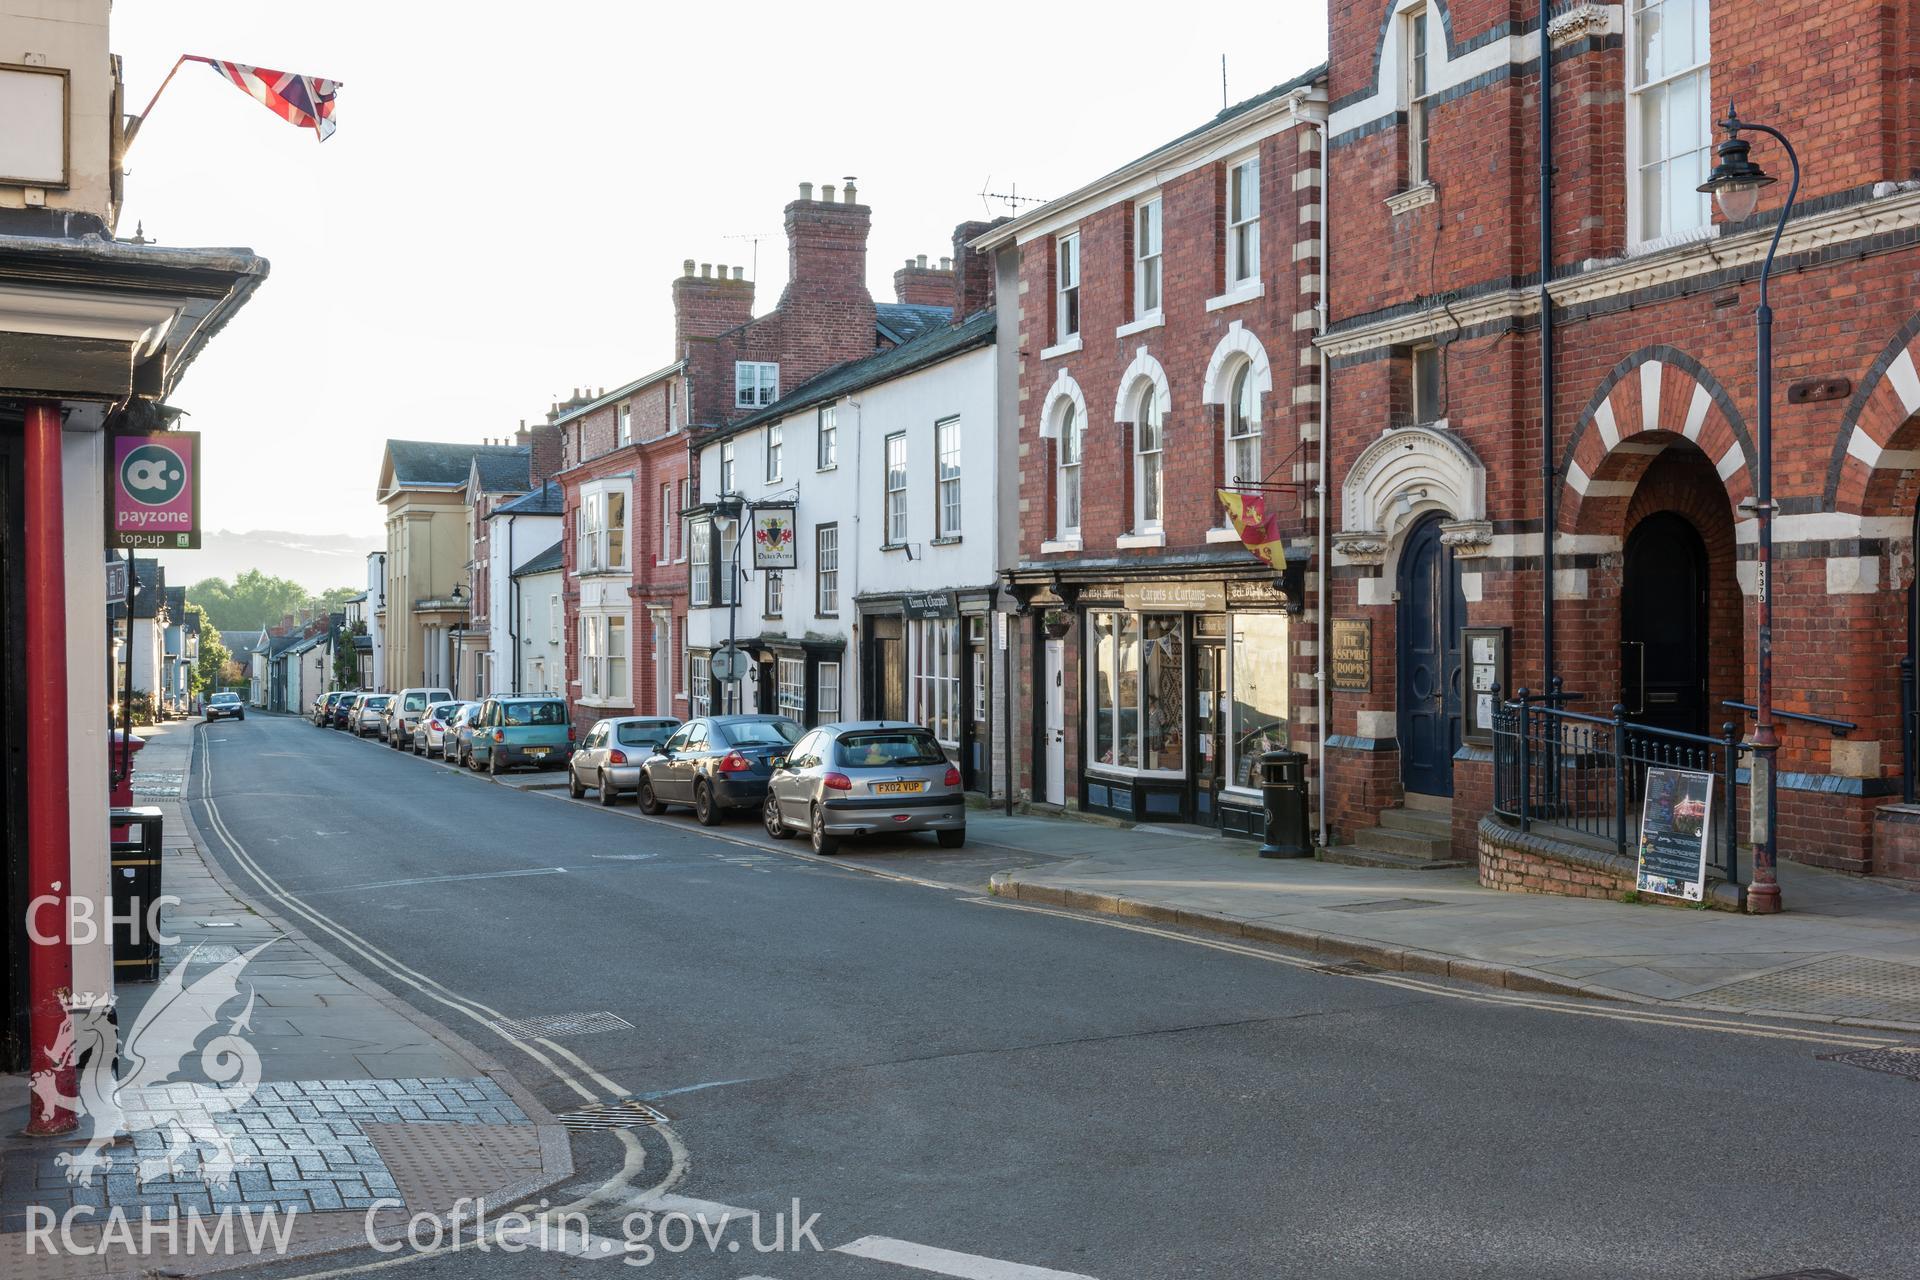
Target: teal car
point(513, 731)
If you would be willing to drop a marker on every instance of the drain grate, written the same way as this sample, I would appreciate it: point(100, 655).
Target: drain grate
point(560, 1024)
point(1839, 986)
point(1895, 1062)
point(628, 1113)
point(1387, 904)
point(1349, 969)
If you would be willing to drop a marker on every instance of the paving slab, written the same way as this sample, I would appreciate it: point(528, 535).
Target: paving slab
point(1852, 945)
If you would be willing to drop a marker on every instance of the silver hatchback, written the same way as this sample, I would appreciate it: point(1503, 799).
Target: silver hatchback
point(862, 778)
point(609, 758)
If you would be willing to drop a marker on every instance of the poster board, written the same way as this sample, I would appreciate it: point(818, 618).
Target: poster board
point(1483, 652)
point(1676, 822)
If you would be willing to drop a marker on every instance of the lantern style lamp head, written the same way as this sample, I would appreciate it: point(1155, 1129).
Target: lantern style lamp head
point(1736, 180)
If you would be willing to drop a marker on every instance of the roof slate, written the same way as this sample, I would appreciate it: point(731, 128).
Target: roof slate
point(546, 562)
point(437, 463)
point(904, 321)
point(549, 499)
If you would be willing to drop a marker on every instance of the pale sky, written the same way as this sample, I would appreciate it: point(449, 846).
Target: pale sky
point(512, 189)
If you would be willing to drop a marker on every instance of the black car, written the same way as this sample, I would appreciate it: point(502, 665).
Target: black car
point(225, 706)
point(716, 763)
point(344, 708)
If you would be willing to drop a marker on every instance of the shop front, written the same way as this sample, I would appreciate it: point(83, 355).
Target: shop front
point(1185, 684)
point(924, 658)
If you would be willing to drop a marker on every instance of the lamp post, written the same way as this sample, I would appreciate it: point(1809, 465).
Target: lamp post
point(1735, 185)
point(457, 630)
point(733, 507)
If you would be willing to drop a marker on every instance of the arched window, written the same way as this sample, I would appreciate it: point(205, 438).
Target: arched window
point(1067, 473)
point(1243, 429)
point(1149, 497)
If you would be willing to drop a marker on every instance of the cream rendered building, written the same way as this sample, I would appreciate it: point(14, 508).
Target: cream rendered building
point(423, 486)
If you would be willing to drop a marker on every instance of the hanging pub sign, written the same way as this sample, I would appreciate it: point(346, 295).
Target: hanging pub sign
point(1676, 821)
point(929, 604)
point(773, 542)
point(156, 490)
point(1351, 670)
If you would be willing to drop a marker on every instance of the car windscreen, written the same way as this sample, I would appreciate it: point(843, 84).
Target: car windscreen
point(762, 733)
point(887, 749)
point(414, 702)
point(226, 697)
point(642, 735)
point(527, 713)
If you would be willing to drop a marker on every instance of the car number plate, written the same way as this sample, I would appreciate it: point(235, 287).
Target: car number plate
point(536, 752)
point(898, 788)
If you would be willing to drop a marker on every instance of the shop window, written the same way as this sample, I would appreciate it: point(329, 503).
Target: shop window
point(790, 689)
point(936, 677)
point(699, 683)
point(826, 694)
point(1138, 674)
point(1260, 697)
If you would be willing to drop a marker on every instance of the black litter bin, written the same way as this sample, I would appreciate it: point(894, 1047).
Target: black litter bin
point(1283, 792)
point(136, 888)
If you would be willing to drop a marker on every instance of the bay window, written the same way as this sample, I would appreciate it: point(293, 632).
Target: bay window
point(1137, 700)
point(700, 575)
point(603, 657)
point(616, 532)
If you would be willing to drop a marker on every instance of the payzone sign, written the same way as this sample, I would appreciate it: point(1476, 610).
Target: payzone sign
point(156, 490)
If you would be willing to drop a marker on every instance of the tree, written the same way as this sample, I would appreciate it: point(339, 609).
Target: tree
point(214, 655)
point(334, 599)
point(346, 657)
point(254, 600)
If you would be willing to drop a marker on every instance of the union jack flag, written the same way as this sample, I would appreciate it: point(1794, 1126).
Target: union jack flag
point(306, 101)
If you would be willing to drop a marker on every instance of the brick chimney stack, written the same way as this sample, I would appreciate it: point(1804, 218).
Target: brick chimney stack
point(973, 272)
point(920, 285)
point(708, 302)
point(827, 247)
point(542, 441)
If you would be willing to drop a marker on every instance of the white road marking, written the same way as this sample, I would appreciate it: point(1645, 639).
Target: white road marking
point(945, 1262)
point(476, 875)
point(711, 1211)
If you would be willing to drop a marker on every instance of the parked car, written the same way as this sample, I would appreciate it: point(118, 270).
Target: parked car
point(609, 756)
point(430, 732)
point(365, 718)
point(323, 707)
point(225, 706)
point(521, 730)
point(404, 712)
point(863, 777)
point(343, 709)
point(458, 747)
point(716, 763)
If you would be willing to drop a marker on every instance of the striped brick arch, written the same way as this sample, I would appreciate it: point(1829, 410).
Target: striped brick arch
point(1656, 393)
point(1879, 438)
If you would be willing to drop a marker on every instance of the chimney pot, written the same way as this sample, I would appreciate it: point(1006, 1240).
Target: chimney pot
point(720, 270)
point(706, 271)
point(909, 262)
point(826, 192)
point(686, 267)
point(921, 262)
point(806, 191)
point(946, 264)
point(851, 194)
point(739, 273)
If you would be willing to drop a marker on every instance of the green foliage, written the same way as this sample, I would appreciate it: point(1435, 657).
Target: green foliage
point(254, 600)
point(214, 656)
point(346, 658)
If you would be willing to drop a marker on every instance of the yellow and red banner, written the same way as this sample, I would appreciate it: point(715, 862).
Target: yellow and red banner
point(1257, 527)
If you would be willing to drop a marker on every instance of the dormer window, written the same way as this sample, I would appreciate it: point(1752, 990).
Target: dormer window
point(755, 383)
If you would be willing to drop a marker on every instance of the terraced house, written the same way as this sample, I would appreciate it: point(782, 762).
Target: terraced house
point(1510, 371)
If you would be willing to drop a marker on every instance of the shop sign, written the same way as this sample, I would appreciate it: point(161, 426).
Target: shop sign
point(1175, 597)
point(1246, 591)
point(1676, 821)
point(156, 490)
point(774, 546)
point(929, 604)
point(1352, 669)
point(116, 581)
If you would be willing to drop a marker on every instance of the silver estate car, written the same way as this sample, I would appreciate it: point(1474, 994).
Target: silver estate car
point(608, 760)
point(864, 777)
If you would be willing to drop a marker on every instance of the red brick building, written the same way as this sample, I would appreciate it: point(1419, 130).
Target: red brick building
point(1166, 317)
point(626, 456)
point(1443, 475)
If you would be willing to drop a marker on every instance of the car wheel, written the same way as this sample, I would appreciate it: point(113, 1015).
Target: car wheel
point(770, 815)
point(823, 844)
point(704, 806)
point(649, 803)
point(607, 794)
point(574, 790)
point(952, 839)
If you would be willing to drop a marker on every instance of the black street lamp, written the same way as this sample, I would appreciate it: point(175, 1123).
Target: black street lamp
point(1735, 185)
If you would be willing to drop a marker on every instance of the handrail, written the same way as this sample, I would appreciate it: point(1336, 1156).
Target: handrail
point(1839, 728)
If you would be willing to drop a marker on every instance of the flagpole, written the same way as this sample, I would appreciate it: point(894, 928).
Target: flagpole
point(133, 130)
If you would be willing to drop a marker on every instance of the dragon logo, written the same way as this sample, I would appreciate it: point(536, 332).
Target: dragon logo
point(168, 1032)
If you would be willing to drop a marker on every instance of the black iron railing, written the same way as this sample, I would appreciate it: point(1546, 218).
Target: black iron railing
point(1909, 731)
point(1587, 773)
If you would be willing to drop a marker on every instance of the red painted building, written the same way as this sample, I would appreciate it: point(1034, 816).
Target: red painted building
point(1443, 474)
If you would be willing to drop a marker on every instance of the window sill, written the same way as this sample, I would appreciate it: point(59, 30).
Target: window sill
point(1412, 198)
point(1152, 320)
point(1134, 541)
point(893, 546)
point(831, 617)
point(831, 466)
point(1677, 240)
point(1223, 535)
point(1057, 545)
point(1066, 348)
point(953, 541)
point(1234, 297)
point(1125, 771)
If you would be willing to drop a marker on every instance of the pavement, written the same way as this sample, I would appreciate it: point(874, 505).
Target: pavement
point(353, 1096)
point(1846, 950)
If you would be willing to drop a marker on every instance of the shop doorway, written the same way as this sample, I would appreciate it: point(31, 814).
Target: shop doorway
point(1209, 721)
point(1663, 624)
point(1055, 723)
point(1432, 610)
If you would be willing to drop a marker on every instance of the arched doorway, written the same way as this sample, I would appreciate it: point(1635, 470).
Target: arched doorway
point(1432, 609)
point(1663, 624)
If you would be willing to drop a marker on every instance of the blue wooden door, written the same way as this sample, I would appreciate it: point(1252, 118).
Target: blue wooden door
point(1432, 610)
